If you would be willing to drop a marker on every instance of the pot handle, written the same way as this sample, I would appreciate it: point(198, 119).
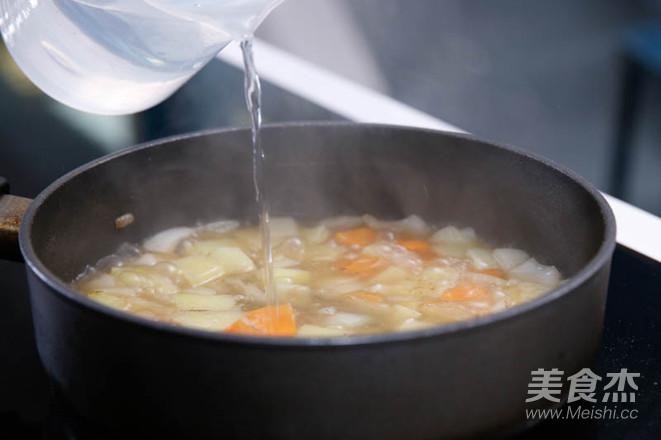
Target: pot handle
point(12, 209)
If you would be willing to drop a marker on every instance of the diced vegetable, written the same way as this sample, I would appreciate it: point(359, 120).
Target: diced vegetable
point(390, 275)
point(212, 321)
point(144, 277)
point(101, 281)
point(368, 297)
point(291, 276)
point(317, 235)
point(267, 321)
point(452, 249)
point(496, 273)
point(534, 272)
point(363, 267)
point(166, 241)
point(482, 259)
point(147, 259)
point(205, 247)
point(107, 299)
point(451, 234)
point(509, 258)
point(356, 237)
point(411, 225)
point(335, 286)
point(521, 292)
point(348, 320)
point(412, 324)
point(448, 274)
point(221, 226)
point(402, 313)
point(345, 276)
point(200, 290)
point(422, 248)
point(414, 245)
point(192, 301)
point(465, 292)
point(119, 291)
point(198, 269)
point(324, 252)
point(232, 259)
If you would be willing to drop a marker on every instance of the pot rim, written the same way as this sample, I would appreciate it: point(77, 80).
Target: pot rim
point(62, 288)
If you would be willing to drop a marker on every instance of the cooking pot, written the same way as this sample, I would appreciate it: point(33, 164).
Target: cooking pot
point(119, 376)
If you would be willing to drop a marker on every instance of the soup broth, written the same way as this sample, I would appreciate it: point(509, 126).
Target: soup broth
point(343, 276)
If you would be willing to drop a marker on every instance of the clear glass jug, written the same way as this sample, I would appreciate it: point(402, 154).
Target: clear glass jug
point(121, 56)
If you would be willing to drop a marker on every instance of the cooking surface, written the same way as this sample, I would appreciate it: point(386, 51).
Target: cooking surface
point(632, 340)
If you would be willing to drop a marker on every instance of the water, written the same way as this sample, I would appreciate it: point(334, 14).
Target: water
point(253, 93)
point(121, 56)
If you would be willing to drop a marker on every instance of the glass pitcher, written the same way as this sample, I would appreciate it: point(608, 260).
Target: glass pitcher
point(121, 56)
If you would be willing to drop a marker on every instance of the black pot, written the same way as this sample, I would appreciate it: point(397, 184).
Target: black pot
point(120, 376)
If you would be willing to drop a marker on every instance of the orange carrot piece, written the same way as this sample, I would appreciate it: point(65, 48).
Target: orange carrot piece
point(367, 296)
point(465, 292)
point(359, 236)
point(414, 245)
point(364, 266)
point(422, 248)
point(267, 321)
point(494, 273)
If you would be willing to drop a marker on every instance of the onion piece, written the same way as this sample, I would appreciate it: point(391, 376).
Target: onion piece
point(166, 241)
point(520, 292)
point(508, 258)
point(337, 286)
point(481, 258)
point(232, 259)
point(535, 272)
point(452, 234)
point(147, 259)
point(102, 281)
point(283, 275)
point(403, 313)
point(221, 226)
point(352, 320)
point(412, 224)
point(199, 270)
point(200, 290)
point(248, 289)
point(412, 324)
point(317, 235)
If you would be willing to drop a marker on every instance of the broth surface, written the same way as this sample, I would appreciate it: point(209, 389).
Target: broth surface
point(343, 276)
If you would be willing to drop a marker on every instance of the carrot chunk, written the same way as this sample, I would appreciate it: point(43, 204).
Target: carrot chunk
point(414, 245)
point(364, 266)
point(359, 236)
point(267, 321)
point(465, 292)
point(367, 296)
point(494, 273)
point(422, 248)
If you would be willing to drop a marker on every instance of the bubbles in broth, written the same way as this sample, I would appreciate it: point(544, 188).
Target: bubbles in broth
point(343, 276)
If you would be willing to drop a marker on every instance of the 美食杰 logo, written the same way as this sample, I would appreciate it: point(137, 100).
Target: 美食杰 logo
point(602, 393)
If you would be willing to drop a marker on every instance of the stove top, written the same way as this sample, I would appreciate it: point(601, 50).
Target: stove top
point(631, 341)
